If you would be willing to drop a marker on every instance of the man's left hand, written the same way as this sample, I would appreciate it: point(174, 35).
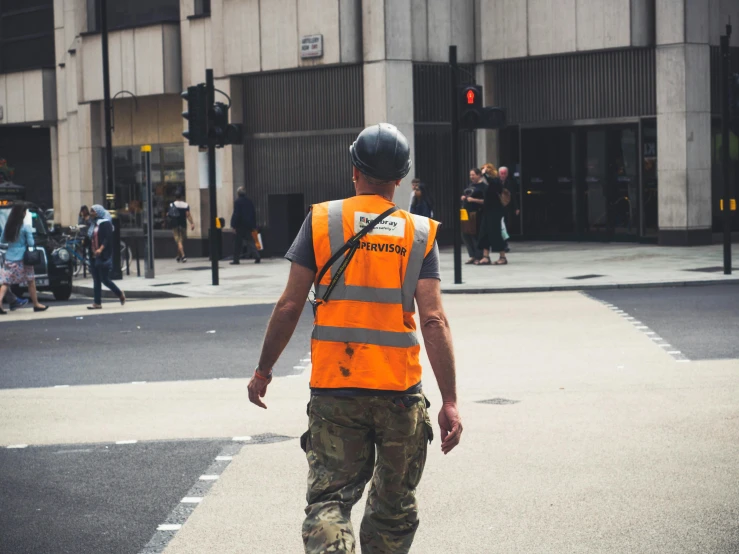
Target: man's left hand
point(257, 390)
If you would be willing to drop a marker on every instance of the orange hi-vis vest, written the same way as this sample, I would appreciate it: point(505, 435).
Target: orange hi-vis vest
point(365, 335)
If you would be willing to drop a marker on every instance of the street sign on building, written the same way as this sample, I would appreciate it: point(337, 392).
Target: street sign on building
point(311, 46)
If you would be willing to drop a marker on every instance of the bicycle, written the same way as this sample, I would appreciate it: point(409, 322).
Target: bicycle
point(76, 247)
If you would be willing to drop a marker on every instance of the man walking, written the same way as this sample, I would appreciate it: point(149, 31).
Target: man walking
point(244, 221)
point(179, 215)
point(368, 418)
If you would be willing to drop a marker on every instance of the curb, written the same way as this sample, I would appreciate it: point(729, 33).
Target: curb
point(569, 288)
point(147, 294)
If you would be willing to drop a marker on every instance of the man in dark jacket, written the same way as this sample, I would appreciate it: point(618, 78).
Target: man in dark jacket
point(244, 221)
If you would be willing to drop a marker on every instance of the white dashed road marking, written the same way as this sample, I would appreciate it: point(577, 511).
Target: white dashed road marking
point(241, 439)
point(169, 527)
point(17, 446)
point(127, 442)
point(658, 341)
point(192, 500)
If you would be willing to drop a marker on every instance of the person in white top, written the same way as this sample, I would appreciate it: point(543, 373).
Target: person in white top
point(178, 216)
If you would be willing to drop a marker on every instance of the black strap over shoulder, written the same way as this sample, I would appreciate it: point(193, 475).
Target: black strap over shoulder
point(351, 246)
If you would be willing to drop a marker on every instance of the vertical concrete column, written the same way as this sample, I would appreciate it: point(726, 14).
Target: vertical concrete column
point(683, 122)
point(388, 72)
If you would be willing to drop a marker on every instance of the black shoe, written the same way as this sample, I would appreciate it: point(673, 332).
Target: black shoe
point(37, 309)
point(235, 262)
point(258, 261)
point(2, 312)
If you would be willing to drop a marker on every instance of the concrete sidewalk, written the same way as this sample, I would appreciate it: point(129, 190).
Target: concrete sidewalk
point(533, 267)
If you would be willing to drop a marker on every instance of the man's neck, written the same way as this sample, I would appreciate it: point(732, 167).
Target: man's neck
point(389, 198)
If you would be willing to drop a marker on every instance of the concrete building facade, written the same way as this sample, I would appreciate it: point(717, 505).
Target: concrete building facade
point(612, 106)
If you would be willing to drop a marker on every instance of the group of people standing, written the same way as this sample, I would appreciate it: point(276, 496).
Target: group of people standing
point(486, 202)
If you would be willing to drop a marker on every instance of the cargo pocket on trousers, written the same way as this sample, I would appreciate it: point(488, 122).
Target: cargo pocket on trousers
point(304, 440)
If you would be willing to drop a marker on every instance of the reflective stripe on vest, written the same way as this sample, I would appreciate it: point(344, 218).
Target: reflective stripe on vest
point(364, 336)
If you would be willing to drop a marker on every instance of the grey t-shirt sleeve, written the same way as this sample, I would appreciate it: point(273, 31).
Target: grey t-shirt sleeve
point(301, 252)
point(430, 268)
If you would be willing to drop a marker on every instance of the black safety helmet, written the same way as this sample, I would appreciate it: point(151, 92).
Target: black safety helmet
point(382, 152)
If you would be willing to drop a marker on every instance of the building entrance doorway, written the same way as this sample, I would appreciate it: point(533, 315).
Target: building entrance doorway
point(581, 183)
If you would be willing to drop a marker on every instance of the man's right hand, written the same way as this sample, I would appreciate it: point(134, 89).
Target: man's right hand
point(451, 426)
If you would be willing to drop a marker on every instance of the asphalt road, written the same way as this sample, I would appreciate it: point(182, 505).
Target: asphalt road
point(702, 322)
point(82, 499)
point(143, 346)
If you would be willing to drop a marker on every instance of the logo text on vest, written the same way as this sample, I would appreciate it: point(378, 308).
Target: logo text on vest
point(390, 226)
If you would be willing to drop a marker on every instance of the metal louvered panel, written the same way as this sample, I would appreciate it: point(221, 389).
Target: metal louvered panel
point(304, 100)
point(432, 133)
point(716, 76)
point(591, 85)
point(298, 126)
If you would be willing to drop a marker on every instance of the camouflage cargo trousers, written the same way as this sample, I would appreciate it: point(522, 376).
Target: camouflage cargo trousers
point(352, 440)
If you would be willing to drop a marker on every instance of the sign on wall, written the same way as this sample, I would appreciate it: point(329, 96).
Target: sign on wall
point(311, 46)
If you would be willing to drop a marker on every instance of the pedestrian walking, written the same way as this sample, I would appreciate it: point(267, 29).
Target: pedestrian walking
point(244, 222)
point(472, 201)
point(178, 216)
point(493, 235)
point(368, 417)
point(101, 256)
point(512, 209)
point(422, 203)
point(18, 235)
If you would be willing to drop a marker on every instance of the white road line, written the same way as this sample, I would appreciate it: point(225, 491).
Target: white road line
point(238, 439)
point(192, 500)
point(209, 477)
point(169, 527)
point(138, 382)
point(61, 386)
point(224, 458)
point(635, 322)
point(674, 352)
point(17, 446)
point(127, 442)
point(649, 333)
point(642, 327)
point(682, 361)
point(665, 345)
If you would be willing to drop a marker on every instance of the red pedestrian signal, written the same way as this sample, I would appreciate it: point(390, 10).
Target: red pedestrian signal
point(470, 96)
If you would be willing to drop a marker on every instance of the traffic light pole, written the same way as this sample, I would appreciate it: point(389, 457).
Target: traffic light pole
point(456, 195)
point(213, 246)
point(725, 160)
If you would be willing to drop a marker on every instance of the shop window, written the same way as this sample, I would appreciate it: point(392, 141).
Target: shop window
point(167, 179)
point(26, 35)
point(124, 14)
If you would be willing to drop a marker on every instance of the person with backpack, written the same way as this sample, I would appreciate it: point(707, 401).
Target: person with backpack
point(178, 215)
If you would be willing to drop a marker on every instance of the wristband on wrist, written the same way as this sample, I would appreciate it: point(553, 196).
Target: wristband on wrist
point(262, 377)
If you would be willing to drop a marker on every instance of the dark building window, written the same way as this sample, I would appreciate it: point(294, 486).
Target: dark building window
point(133, 13)
point(26, 35)
point(202, 7)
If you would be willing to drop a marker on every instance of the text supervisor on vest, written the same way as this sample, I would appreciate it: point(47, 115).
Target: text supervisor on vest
point(370, 264)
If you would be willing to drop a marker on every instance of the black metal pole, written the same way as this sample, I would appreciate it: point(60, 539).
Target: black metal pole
point(725, 160)
point(210, 100)
point(456, 194)
point(149, 264)
point(109, 189)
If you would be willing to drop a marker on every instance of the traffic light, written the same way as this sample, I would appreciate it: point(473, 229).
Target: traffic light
point(472, 115)
point(470, 107)
point(219, 130)
point(196, 115)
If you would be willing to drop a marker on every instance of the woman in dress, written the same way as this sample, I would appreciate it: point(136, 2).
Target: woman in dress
point(18, 236)
point(101, 256)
